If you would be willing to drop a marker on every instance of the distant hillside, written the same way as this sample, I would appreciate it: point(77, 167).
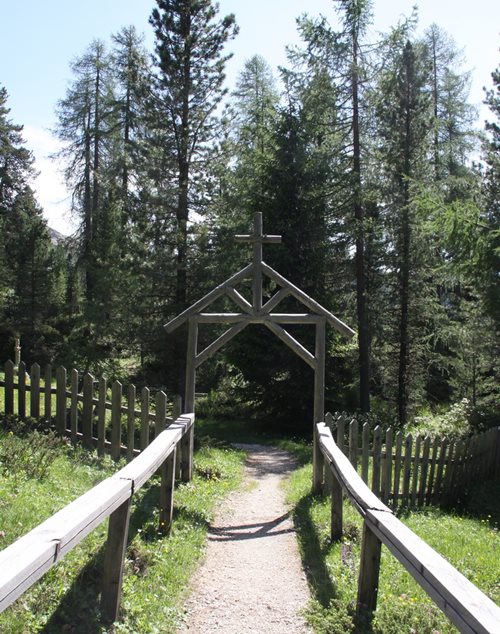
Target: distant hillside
point(56, 237)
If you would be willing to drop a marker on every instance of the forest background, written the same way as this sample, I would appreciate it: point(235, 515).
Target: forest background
point(364, 155)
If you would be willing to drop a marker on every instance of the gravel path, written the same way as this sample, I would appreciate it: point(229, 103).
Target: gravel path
point(252, 580)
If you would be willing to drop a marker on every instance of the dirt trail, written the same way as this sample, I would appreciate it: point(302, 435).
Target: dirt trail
point(252, 580)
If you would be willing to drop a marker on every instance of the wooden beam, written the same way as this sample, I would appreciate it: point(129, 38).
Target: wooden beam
point(208, 298)
point(292, 343)
point(307, 301)
point(275, 300)
point(218, 343)
point(238, 299)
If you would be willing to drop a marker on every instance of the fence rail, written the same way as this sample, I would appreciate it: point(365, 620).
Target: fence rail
point(89, 409)
point(415, 471)
point(464, 604)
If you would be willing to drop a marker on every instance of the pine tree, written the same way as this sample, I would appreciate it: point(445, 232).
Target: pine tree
point(189, 87)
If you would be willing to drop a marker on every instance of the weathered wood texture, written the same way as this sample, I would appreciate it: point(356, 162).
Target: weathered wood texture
point(464, 604)
point(87, 410)
point(27, 559)
point(415, 471)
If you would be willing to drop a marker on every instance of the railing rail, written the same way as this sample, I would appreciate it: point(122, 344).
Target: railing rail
point(26, 560)
point(462, 602)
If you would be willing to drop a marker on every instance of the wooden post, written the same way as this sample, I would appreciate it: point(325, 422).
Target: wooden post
point(130, 422)
point(88, 406)
point(167, 493)
point(397, 467)
point(144, 418)
point(319, 404)
point(336, 526)
point(187, 442)
point(113, 561)
point(257, 263)
point(9, 387)
point(101, 416)
point(48, 394)
point(368, 572)
point(424, 470)
point(116, 420)
point(21, 390)
point(35, 391)
point(61, 400)
point(74, 406)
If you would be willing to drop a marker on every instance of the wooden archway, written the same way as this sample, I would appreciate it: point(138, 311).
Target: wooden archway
point(259, 313)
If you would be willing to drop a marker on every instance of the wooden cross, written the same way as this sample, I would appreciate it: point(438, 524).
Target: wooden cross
point(257, 238)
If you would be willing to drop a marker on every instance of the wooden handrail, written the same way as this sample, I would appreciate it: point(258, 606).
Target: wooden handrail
point(462, 602)
point(26, 560)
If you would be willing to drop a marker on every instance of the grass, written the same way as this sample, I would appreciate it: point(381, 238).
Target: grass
point(469, 542)
point(157, 569)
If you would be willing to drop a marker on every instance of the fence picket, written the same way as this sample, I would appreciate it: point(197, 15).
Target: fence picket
point(407, 470)
point(144, 418)
point(35, 391)
point(448, 474)
point(424, 467)
point(9, 387)
point(116, 419)
point(131, 422)
point(376, 451)
point(365, 452)
point(340, 433)
point(176, 412)
point(161, 413)
point(397, 467)
point(387, 467)
point(88, 406)
point(415, 473)
point(74, 406)
point(61, 379)
point(441, 466)
point(47, 405)
point(101, 416)
point(353, 443)
point(436, 443)
point(21, 390)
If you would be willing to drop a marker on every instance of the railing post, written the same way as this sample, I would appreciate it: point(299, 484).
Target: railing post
point(167, 493)
point(113, 561)
point(368, 572)
point(337, 510)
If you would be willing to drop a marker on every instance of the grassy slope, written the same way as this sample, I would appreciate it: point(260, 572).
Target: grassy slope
point(157, 568)
point(471, 544)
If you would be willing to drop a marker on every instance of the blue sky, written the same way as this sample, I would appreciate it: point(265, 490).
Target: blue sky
point(39, 38)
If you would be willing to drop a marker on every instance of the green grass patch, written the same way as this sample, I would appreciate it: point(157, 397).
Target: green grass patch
point(471, 543)
point(157, 568)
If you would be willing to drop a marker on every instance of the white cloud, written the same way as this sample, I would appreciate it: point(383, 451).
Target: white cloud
point(49, 186)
